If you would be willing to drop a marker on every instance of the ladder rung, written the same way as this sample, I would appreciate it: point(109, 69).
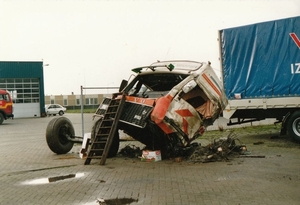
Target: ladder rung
point(107, 120)
point(96, 150)
point(100, 142)
point(103, 138)
point(105, 127)
point(94, 157)
point(102, 135)
point(110, 113)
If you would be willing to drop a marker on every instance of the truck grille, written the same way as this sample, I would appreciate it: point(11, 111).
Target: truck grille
point(135, 114)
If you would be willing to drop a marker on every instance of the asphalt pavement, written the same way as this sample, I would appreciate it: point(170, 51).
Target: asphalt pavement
point(31, 174)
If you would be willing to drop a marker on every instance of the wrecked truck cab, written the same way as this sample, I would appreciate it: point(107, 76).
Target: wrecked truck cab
point(168, 105)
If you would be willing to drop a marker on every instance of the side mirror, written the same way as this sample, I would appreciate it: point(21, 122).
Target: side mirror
point(123, 85)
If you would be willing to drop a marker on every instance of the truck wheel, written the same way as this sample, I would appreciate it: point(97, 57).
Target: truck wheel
point(294, 126)
point(61, 113)
point(56, 132)
point(1, 118)
point(114, 148)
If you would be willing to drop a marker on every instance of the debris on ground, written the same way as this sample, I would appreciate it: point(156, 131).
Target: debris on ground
point(131, 151)
point(223, 149)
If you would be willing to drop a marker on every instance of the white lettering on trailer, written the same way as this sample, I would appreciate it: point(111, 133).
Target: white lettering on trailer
point(295, 68)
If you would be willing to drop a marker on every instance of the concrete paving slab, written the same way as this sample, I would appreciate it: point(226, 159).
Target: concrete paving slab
point(26, 159)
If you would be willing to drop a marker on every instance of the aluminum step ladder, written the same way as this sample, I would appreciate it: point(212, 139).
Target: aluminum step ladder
point(101, 143)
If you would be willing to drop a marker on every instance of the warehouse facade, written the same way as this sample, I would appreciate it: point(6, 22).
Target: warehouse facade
point(25, 82)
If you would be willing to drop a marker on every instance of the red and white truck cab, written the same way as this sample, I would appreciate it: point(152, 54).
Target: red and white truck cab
point(6, 106)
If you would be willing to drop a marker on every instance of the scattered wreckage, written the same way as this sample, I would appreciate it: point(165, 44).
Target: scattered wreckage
point(166, 106)
point(222, 149)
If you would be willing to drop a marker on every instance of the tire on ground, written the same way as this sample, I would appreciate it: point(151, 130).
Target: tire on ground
point(293, 126)
point(114, 148)
point(56, 132)
point(61, 113)
point(1, 118)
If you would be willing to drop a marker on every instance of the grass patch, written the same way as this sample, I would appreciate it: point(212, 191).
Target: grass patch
point(79, 110)
point(243, 131)
point(268, 135)
point(252, 128)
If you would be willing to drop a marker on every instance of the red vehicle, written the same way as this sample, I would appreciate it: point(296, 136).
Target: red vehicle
point(6, 106)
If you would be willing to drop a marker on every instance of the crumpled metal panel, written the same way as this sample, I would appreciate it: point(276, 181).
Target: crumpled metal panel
point(184, 114)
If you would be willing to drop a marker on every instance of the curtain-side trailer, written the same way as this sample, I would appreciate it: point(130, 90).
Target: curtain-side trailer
point(260, 66)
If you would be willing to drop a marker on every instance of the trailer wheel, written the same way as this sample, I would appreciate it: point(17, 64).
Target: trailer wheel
point(294, 126)
point(1, 118)
point(113, 151)
point(56, 135)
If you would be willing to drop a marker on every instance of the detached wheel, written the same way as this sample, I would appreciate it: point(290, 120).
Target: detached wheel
point(56, 135)
point(294, 126)
point(1, 118)
point(114, 148)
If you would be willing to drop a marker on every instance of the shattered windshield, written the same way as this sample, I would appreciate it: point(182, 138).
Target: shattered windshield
point(4, 97)
point(161, 81)
point(145, 85)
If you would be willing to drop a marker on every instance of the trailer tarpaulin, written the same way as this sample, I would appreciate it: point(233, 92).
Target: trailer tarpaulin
point(262, 60)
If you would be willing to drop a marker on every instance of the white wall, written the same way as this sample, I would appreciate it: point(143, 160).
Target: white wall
point(26, 110)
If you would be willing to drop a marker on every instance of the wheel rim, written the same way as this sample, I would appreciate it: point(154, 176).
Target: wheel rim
point(63, 132)
point(296, 126)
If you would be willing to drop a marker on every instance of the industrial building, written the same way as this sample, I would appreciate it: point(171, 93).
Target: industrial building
point(25, 82)
point(74, 101)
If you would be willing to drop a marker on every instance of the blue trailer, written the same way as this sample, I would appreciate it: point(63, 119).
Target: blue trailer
point(261, 73)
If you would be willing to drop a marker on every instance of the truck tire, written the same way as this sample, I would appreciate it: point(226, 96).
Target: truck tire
point(114, 148)
point(294, 126)
point(56, 132)
point(1, 118)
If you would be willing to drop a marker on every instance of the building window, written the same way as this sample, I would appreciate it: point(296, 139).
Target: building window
point(78, 102)
point(65, 102)
point(52, 101)
point(91, 101)
point(24, 90)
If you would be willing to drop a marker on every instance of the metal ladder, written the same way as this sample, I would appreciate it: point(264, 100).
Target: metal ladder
point(104, 135)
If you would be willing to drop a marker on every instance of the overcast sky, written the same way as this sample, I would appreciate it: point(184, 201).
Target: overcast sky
point(96, 43)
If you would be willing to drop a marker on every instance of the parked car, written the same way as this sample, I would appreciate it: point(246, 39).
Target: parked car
point(53, 109)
